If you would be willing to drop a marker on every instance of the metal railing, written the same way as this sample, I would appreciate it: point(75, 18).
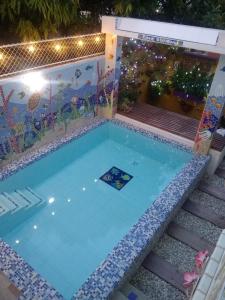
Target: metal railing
point(16, 58)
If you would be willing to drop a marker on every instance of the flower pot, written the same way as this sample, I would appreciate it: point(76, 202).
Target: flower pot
point(186, 107)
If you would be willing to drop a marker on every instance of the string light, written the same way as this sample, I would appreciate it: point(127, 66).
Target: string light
point(1, 56)
point(97, 39)
point(31, 48)
point(80, 43)
point(57, 47)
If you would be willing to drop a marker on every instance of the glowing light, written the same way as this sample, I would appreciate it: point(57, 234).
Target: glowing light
point(95, 180)
point(1, 56)
point(68, 200)
point(31, 48)
point(53, 213)
point(57, 47)
point(51, 200)
point(83, 188)
point(34, 81)
point(35, 227)
point(97, 39)
point(17, 241)
point(80, 43)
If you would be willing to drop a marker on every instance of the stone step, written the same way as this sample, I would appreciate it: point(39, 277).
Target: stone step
point(220, 172)
point(132, 292)
point(165, 270)
point(213, 190)
point(205, 213)
point(189, 237)
point(119, 296)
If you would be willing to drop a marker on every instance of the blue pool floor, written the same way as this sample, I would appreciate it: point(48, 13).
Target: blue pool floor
point(84, 218)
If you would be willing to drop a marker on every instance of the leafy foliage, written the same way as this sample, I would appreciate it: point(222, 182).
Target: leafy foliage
point(35, 19)
point(192, 84)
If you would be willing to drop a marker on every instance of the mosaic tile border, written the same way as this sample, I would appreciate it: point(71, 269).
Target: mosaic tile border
point(127, 254)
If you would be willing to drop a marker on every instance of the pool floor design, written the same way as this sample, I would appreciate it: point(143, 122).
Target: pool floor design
point(116, 178)
point(84, 218)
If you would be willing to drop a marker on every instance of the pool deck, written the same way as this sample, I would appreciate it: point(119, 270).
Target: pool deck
point(172, 122)
point(130, 251)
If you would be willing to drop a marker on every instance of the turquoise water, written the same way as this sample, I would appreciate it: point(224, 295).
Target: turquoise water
point(84, 218)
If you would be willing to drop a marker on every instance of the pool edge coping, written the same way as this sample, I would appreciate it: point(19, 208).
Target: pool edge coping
point(125, 254)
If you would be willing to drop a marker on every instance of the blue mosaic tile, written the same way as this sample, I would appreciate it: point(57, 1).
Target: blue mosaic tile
point(116, 178)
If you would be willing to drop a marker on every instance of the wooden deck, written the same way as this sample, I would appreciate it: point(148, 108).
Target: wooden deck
point(169, 121)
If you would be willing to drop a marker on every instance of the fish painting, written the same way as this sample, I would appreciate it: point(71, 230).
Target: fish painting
point(21, 95)
point(88, 82)
point(89, 67)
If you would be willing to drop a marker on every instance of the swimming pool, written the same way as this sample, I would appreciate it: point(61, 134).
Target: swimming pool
point(79, 207)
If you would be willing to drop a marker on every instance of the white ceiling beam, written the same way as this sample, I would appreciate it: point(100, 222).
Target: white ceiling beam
point(199, 38)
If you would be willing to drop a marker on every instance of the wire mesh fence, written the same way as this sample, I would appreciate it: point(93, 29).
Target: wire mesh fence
point(16, 58)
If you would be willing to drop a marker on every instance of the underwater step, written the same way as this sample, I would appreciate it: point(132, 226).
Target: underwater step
point(165, 270)
point(19, 200)
point(212, 190)
point(19, 203)
point(29, 194)
point(204, 213)
point(132, 292)
point(6, 203)
point(189, 237)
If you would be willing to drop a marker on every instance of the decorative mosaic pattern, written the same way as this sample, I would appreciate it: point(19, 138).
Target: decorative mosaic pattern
point(126, 256)
point(29, 158)
point(209, 123)
point(116, 178)
point(24, 277)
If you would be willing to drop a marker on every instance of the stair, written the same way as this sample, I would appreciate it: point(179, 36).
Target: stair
point(220, 172)
point(18, 200)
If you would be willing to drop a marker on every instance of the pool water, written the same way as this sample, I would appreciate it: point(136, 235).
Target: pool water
point(83, 217)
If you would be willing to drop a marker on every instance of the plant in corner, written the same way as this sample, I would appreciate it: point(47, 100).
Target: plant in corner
point(190, 86)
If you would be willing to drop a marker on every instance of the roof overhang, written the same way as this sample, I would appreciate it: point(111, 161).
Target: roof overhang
point(199, 38)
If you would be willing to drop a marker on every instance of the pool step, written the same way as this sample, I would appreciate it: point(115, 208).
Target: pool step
point(165, 270)
point(132, 292)
point(7, 205)
point(220, 172)
point(18, 200)
point(204, 213)
point(189, 238)
point(32, 197)
point(212, 190)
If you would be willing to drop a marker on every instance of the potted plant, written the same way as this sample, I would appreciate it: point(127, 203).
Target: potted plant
point(190, 86)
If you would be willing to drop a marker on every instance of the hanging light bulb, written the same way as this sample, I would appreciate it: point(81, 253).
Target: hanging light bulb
point(57, 47)
point(80, 43)
point(97, 39)
point(31, 48)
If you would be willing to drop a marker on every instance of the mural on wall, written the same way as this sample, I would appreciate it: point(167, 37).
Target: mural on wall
point(111, 76)
point(71, 92)
point(213, 111)
point(209, 123)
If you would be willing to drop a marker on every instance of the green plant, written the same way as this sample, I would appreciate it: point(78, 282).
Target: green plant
point(35, 19)
point(191, 85)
